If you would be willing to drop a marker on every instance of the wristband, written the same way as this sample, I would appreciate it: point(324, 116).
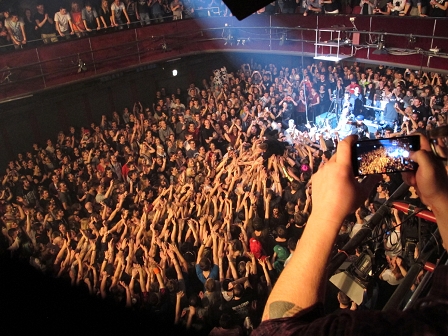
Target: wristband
point(156, 270)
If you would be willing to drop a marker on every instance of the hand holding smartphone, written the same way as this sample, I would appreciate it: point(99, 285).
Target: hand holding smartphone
point(384, 156)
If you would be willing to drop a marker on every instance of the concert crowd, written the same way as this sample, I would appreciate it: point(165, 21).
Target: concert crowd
point(191, 208)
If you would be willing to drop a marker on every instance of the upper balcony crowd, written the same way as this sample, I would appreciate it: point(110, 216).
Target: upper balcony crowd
point(21, 27)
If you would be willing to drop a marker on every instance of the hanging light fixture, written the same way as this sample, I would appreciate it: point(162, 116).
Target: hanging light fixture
point(81, 65)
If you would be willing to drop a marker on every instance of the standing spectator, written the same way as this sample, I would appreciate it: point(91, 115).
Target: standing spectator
point(119, 13)
point(330, 6)
point(16, 30)
point(157, 10)
point(90, 18)
point(4, 37)
point(105, 14)
point(437, 8)
point(143, 12)
point(45, 24)
point(63, 23)
point(312, 7)
point(30, 26)
point(177, 8)
point(189, 9)
point(77, 23)
point(397, 7)
point(414, 8)
point(314, 102)
point(131, 9)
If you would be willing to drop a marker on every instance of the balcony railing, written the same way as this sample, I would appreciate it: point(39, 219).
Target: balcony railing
point(414, 42)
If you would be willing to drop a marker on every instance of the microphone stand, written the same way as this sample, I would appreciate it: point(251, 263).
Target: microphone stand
point(365, 231)
point(306, 104)
point(336, 97)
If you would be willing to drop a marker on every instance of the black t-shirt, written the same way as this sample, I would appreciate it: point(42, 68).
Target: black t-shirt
point(47, 28)
point(206, 133)
point(331, 7)
point(105, 15)
point(240, 308)
point(436, 11)
point(142, 6)
point(422, 111)
point(293, 197)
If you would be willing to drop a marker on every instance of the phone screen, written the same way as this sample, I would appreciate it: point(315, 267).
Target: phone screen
point(383, 156)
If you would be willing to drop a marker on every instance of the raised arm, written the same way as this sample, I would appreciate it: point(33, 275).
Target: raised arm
point(317, 240)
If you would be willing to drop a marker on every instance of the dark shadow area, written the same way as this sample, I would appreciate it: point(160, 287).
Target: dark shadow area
point(34, 302)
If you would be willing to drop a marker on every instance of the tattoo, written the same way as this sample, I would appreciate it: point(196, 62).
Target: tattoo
point(280, 309)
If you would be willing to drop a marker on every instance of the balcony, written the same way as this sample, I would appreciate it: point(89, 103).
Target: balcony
point(418, 43)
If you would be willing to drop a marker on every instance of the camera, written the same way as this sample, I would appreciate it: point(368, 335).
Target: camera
point(397, 4)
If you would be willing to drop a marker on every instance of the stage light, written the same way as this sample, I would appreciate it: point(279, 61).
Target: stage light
point(81, 66)
point(352, 20)
point(174, 72)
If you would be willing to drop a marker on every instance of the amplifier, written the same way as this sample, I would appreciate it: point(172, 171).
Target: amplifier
point(326, 118)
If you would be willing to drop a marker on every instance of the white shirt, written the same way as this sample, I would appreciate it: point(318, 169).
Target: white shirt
point(355, 229)
point(62, 20)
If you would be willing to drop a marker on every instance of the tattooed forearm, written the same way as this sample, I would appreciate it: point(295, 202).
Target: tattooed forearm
point(280, 309)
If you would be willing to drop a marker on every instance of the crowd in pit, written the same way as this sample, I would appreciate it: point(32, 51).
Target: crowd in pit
point(191, 208)
point(21, 27)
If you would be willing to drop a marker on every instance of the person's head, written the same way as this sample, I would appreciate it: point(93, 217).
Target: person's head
point(210, 285)
point(226, 321)
point(238, 291)
point(75, 6)
point(205, 264)
point(257, 224)
point(344, 299)
point(359, 119)
point(14, 17)
point(282, 231)
point(417, 101)
point(292, 243)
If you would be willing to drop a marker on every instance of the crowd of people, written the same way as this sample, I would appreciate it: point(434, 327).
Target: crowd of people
point(83, 18)
point(21, 26)
point(191, 209)
point(383, 160)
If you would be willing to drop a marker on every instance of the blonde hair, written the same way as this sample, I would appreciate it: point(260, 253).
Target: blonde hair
point(85, 223)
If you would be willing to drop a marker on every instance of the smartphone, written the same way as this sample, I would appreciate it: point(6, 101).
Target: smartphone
point(384, 156)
